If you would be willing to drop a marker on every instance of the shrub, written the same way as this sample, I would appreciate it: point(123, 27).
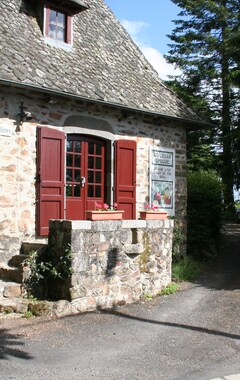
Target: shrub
point(204, 214)
point(44, 268)
point(187, 269)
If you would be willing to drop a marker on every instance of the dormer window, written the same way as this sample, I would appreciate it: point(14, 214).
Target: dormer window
point(58, 20)
point(58, 25)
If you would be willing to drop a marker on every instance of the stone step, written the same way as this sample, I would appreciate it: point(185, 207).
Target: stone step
point(13, 305)
point(10, 273)
point(17, 260)
point(32, 246)
point(10, 289)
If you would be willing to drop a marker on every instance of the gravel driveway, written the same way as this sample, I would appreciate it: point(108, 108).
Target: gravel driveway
point(193, 334)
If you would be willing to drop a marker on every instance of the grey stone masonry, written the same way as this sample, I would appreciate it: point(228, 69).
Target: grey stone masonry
point(18, 198)
point(113, 262)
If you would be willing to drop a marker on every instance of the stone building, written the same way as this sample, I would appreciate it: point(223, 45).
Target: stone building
point(84, 118)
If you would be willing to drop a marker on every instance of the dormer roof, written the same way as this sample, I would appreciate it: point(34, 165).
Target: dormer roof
point(103, 63)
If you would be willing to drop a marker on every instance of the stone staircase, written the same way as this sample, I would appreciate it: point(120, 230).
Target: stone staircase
point(12, 276)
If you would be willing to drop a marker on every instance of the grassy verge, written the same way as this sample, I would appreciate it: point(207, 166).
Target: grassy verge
point(170, 289)
point(187, 269)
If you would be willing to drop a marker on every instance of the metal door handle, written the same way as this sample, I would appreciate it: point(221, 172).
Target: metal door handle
point(83, 181)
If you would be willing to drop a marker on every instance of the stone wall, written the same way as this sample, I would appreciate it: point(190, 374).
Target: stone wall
point(114, 262)
point(18, 153)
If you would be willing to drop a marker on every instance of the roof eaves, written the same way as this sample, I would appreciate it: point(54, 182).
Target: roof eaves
point(190, 124)
point(74, 6)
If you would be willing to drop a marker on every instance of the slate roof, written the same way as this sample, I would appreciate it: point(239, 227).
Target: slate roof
point(103, 64)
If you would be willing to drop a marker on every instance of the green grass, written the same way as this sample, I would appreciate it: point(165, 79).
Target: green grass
point(187, 269)
point(28, 314)
point(148, 296)
point(170, 289)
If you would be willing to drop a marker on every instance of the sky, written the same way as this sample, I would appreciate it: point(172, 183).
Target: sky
point(148, 22)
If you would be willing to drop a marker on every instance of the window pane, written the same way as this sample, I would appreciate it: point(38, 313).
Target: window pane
point(98, 192)
point(52, 24)
point(69, 190)
point(98, 149)
point(69, 176)
point(53, 17)
point(69, 146)
point(77, 161)
point(90, 177)
point(98, 163)
point(91, 148)
point(90, 191)
point(77, 176)
point(60, 34)
point(90, 162)
point(76, 190)
point(56, 25)
point(61, 19)
point(77, 146)
point(69, 160)
point(98, 177)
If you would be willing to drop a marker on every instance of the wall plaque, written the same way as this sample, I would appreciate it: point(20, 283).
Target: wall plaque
point(162, 178)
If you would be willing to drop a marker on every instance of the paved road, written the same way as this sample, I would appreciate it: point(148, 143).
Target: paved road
point(193, 334)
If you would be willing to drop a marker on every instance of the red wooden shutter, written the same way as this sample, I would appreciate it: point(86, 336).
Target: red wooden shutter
point(125, 177)
point(50, 177)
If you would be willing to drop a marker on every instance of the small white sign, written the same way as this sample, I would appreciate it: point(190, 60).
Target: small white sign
point(5, 130)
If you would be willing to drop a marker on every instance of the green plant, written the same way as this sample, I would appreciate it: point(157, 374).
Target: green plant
point(28, 314)
point(45, 267)
point(187, 269)
point(169, 289)
point(144, 257)
point(148, 296)
point(178, 241)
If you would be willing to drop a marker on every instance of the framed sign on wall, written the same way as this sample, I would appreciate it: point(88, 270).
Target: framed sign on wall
point(162, 178)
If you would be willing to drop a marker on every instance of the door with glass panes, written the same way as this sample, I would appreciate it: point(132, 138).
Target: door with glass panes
point(85, 175)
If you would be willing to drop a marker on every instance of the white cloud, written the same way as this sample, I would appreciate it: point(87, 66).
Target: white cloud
point(135, 29)
point(159, 62)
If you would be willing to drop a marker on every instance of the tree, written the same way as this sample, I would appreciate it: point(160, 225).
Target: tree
point(201, 154)
point(203, 47)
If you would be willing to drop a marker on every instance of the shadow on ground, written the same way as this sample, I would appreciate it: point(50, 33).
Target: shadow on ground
point(11, 345)
point(172, 324)
point(223, 272)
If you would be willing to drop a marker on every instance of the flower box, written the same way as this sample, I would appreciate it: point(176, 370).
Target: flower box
point(153, 215)
point(104, 215)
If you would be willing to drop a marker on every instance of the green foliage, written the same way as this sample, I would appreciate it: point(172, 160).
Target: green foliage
point(170, 289)
point(204, 215)
point(28, 314)
point(45, 267)
point(148, 296)
point(205, 47)
point(178, 245)
point(187, 269)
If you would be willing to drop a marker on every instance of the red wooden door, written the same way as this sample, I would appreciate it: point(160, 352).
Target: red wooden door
point(125, 177)
point(50, 177)
point(85, 175)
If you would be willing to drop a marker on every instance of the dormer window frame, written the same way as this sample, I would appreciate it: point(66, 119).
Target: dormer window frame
point(68, 32)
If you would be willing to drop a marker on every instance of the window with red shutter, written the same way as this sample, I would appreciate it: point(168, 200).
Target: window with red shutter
point(125, 177)
point(50, 177)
